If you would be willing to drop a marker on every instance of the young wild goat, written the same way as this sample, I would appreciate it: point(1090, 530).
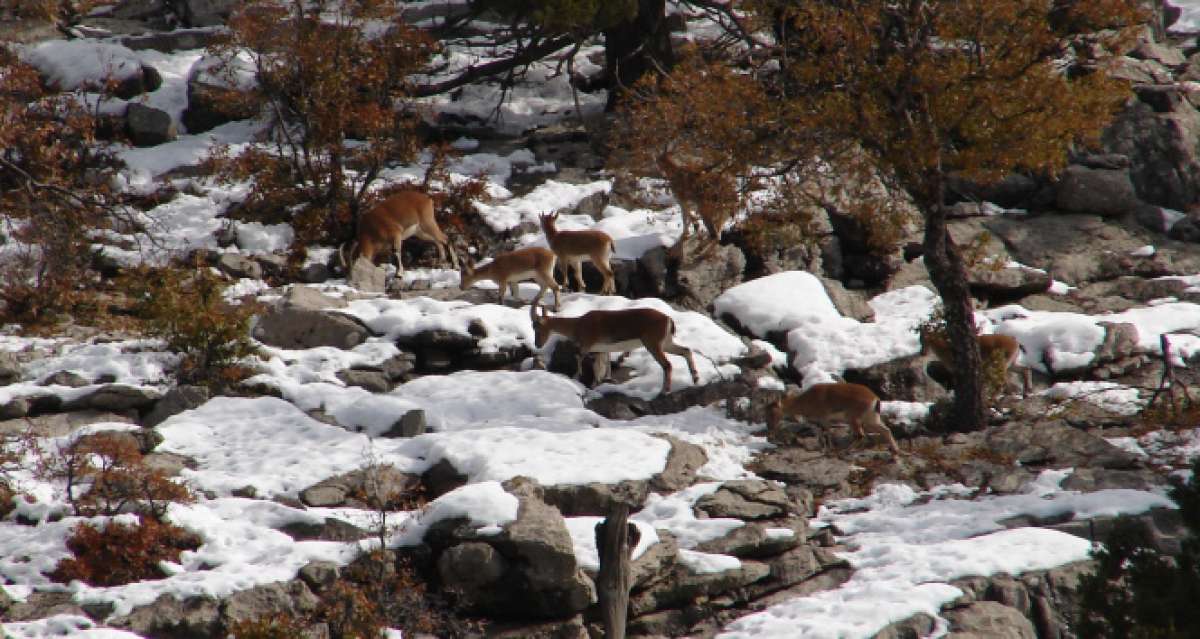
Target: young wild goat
point(833, 402)
point(386, 225)
point(506, 269)
point(616, 332)
point(572, 246)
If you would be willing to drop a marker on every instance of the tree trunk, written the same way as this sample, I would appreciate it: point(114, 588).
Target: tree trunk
point(615, 539)
point(636, 47)
point(949, 276)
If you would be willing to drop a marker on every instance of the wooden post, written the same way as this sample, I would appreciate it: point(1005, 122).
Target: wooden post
point(615, 540)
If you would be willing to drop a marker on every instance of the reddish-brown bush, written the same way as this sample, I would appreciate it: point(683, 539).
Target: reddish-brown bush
point(119, 553)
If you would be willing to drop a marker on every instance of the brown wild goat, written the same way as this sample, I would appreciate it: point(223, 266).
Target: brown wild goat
point(385, 226)
point(994, 347)
point(572, 246)
point(506, 269)
point(616, 332)
point(854, 404)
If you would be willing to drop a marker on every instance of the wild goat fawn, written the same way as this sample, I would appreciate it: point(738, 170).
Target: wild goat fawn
point(506, 269)
point(995, 347)
point(833, 402)
point(616, 332)
point(572, 246)
point(386, 225)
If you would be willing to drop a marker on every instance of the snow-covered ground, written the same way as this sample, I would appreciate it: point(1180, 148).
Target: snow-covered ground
point(497, 425)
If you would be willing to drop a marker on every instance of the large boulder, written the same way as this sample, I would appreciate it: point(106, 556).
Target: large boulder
point(1103, 192)
point(526, 571)
point(990, 620)
point(297, 328)
point(170, 617)
point(1163, 149)
point(211, 100)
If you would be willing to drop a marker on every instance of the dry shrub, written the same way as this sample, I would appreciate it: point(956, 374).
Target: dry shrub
point(187, 309)
point(119, 553)
point(109, 468)
point(55, 194)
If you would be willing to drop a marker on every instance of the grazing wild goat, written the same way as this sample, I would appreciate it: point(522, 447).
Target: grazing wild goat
point(386, 225)
point(616, 332)
point(992, 348)
point(506, 269)
point(572, 246)
point(833, 402)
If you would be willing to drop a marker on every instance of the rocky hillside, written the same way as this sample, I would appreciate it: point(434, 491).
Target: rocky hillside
point(396, 438)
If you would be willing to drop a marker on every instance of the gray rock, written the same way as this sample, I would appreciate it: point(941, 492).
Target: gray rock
point(899, 379)
point(1054, 444)
point(1163, 150)
point(309, 298)
point(209, 103)
point(324, 495)
point(148, 126)
point(530, 566)
point(15, 408)
point(1158, 52)
point(399, 367)
point(61, 424)
point(1007, 283)
point(314, 273)
point(373, 381)
point(66, 378)
point(1103, 192)
point(332, 529)
point(10, 368)
point(116, 397)
point(170, 617)
point(472, 566)
point(916, 626)
point(683, 587)
point(410, 424)
point(575, 500)
point(988, 620)
point(683, 461)
point(170, 464)
point(292, 598)
point(177, 400)
point(747, 499)
point(204, 13)
point(702, 279)
point(299, 329)
point(39, 605)
point(171, 41)
point(239, 265)
point(751, 542)
point(813, 470)
point(319, 575)
point(367, 277)
point(849, 303)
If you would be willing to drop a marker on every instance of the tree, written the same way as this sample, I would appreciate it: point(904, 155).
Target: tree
point(927, 89)
point(56, 193)
point(325, 74)
point(636, 38)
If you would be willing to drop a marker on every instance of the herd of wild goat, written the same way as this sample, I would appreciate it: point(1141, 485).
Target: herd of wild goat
point(408, 213)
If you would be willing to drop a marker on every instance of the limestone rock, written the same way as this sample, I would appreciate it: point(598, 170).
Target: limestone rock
point(148, 126)
point(299, 329)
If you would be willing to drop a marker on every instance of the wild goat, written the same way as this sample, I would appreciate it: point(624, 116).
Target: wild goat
point(833, 402)
point(616, 332)
point(386, 225)
point(572, 246)
point(506, 269)
point(995, 347)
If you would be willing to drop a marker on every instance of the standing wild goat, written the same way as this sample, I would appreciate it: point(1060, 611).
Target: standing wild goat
point(506, 269)
point(834, 402)
point(386, 225)
point(572, 246)
point(616, 332)
point(994, 347)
